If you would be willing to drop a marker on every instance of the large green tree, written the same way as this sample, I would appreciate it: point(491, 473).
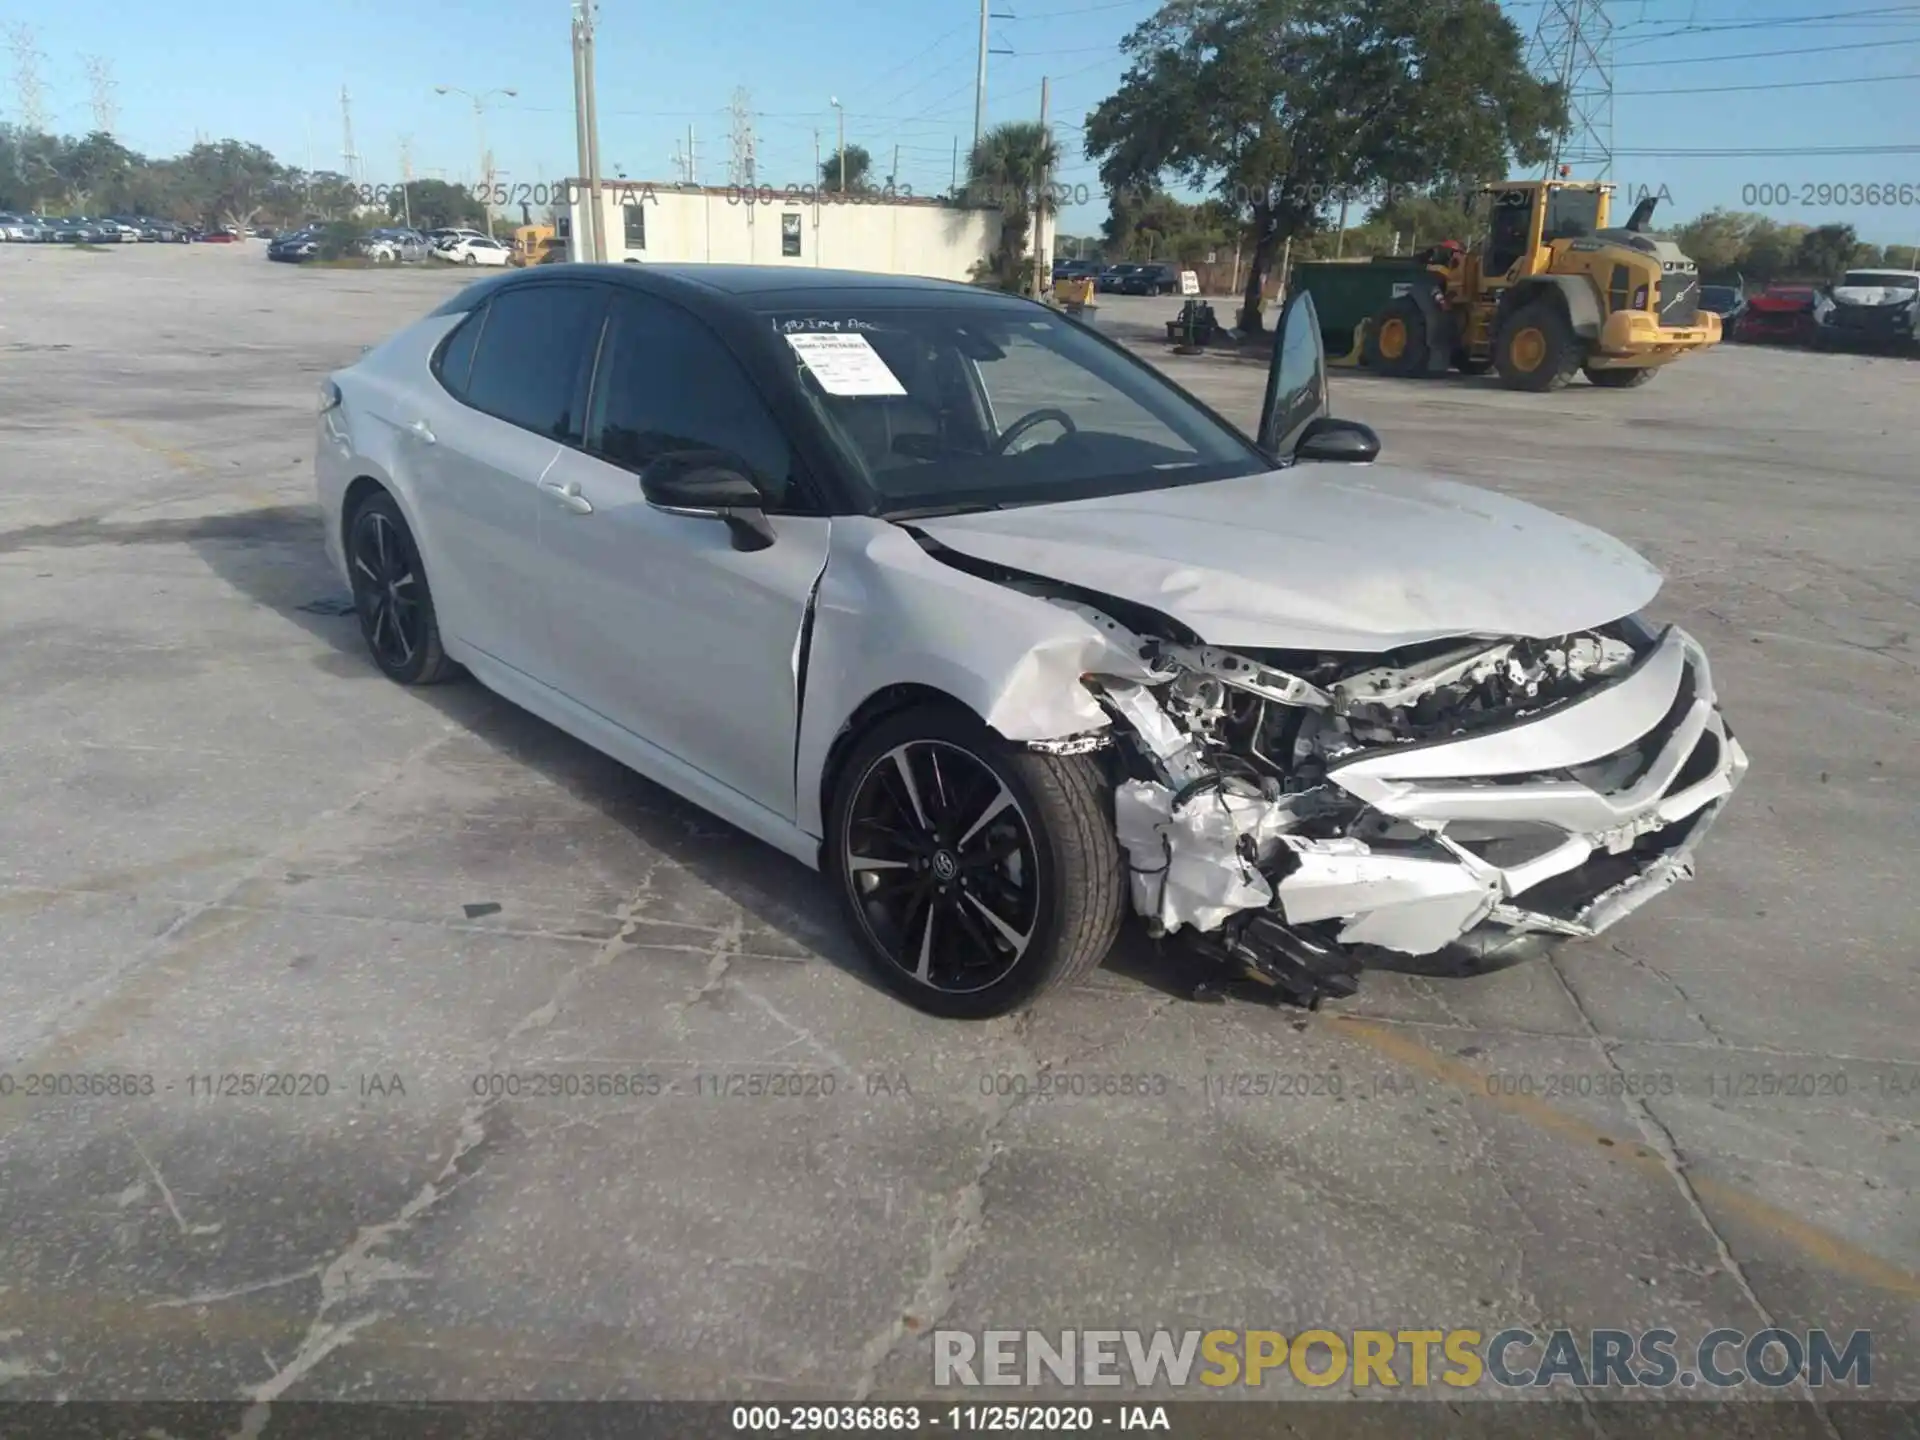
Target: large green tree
point(1826, 251)
point(1007, 170)
point(859, 167)
point(1280, 106)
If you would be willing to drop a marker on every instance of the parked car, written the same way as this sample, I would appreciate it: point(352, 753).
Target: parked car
point(1148, 279)
point(20, 229)
point(449, 234)
point(1076, 269)
point(218, 235)
point(474, 250)
point(393, 246)
point(294, 247)
point(1107, 279)
point(1876, 309)
point(1729, 302)
point(1439, 725)
point(75, 230)
point(1782, 314)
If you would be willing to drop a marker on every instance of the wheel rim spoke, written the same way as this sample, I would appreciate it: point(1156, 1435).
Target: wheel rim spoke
point(869, 862)
point(1006, 932)
point(905, 769)
point(995, 807)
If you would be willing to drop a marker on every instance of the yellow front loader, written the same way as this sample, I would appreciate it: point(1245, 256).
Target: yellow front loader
point(1551, 291)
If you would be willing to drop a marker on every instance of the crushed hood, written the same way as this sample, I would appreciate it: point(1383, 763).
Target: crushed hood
point(1322, 557)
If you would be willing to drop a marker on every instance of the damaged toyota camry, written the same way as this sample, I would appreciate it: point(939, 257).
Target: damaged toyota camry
point(952, 598)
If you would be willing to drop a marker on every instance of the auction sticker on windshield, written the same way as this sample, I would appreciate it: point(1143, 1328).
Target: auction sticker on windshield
point(846, 365)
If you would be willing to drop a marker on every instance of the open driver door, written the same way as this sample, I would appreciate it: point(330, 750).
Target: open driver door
point(1294, 423)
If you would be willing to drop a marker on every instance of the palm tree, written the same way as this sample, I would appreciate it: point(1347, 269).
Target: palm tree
point(1007, 170)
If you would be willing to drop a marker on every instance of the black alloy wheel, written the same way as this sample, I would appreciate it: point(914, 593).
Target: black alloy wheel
point(391, 598)
point(943, 864)
point(977, 874)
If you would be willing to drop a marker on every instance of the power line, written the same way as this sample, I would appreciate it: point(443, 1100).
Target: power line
point(1781, 152)
point(1775, 85)
point(1766, 54)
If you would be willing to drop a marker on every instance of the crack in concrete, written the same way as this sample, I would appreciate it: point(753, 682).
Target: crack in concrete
point(966, 1215)
point(1694, 1011)
point(359, 1268)
point(1661, 1141)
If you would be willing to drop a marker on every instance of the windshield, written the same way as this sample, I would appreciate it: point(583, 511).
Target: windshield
point(1571, 214)
point(1882, 279)
point(979, 404)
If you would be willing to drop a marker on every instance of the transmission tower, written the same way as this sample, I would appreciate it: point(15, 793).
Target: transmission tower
point(1573, 47)
point(30, 104)
point(740, 169)
point(347, 152)
point(100, 84)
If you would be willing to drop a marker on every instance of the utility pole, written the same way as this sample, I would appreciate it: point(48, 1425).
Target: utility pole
point(693, 173)
point(590, 118)
point(816, 152)
point(1340, 239)
point(580, 238)
point(980, 79)
point(1040, 272)
point(1573, 46)
point(840, 111)
point(953, 183)
point(893, 170)
point(740, 165)
point(347, 157)
point(101, 85)
point(30, 105)
point(406, 180)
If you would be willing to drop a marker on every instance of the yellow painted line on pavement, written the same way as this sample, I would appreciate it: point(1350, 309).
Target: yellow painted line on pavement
point(1839, 1255)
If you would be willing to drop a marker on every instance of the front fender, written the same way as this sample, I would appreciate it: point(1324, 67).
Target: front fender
point(888, 614)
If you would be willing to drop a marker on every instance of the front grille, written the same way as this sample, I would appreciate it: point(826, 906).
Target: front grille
point(1679, 299)
point(1872, 318)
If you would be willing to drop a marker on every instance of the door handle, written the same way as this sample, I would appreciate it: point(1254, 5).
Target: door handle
point(421, 431)
point(568, 494)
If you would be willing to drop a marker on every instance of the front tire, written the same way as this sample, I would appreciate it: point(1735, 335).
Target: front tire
point(1536, 348)
point(391, 597)
point(1397, 341)
point(976, 875)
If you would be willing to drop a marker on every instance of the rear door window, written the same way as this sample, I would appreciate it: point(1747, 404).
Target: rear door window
point(531, 362)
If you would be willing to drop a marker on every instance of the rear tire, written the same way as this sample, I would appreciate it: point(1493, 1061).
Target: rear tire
point(1536, 348)
point(391, 596)
point(1621, 379)
point(1397, 340)
point(975, 875)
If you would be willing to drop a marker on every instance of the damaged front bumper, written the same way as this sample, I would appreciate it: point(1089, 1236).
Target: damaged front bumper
point(1557, 825)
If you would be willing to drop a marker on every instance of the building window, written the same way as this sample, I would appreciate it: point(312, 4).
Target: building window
point(636, 227)
point(789, 234)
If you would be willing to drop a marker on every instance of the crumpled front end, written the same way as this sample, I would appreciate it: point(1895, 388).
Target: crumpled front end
point(1294, 812)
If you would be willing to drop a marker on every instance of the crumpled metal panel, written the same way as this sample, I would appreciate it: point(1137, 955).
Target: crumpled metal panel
point(1190, 867)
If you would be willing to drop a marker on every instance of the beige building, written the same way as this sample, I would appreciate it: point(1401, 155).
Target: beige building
point(788, 225)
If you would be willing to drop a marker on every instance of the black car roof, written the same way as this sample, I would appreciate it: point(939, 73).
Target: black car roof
point(742, 287)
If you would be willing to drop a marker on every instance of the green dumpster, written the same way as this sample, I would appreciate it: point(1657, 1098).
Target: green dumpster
point(1348, 292)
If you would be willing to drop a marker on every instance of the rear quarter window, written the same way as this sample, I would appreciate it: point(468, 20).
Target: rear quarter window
point(454, 361)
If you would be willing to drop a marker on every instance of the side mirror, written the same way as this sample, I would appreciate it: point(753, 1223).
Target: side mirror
point(1344, 440)
point(713, 485)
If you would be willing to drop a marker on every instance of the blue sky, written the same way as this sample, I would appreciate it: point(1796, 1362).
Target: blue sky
point(905, 76)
